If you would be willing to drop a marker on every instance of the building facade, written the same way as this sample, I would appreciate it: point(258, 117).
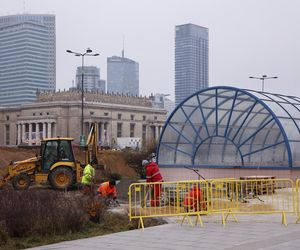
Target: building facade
point(59, 114)
point(122, 76)
point(91, 79)
point(191, 60)
point(27, 61)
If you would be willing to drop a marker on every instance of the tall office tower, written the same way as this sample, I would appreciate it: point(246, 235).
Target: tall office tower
point(191, 60)
point(122, 75)
point(27, 57)
point(91, 79)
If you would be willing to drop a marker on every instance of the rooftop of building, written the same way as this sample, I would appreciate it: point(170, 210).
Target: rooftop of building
point(94, 96)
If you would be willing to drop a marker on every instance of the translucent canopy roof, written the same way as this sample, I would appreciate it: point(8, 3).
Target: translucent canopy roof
point(227, 126)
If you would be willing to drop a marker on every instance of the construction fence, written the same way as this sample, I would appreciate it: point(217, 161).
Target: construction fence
point(226, 197)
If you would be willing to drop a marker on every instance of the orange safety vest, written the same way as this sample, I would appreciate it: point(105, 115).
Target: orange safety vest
point(105, 190)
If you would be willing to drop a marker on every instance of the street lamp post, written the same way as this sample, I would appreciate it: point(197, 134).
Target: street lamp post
point(86, 53)
point(263, 78)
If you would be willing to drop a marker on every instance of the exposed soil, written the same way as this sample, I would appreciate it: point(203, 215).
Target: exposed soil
point(112, 161)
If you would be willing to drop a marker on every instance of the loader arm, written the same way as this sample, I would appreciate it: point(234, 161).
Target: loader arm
point(91, 144)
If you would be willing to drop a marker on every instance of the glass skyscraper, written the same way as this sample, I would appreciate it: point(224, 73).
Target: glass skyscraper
point(27, 61)
point(91, 79)
point(122, 76)
point(191, 60)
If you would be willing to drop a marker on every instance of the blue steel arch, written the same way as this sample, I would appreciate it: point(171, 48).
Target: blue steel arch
point(183, 151)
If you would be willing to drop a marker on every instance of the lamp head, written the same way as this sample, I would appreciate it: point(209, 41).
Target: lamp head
point(69, 51)
point(96, 54)
point(264, 76)
point(88, 50)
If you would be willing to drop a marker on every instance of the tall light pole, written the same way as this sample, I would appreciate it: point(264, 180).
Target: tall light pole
point(88, 52)
point(263, 78)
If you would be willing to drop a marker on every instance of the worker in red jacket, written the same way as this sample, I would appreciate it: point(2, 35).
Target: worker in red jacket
point(194, 200)
point(153, 175)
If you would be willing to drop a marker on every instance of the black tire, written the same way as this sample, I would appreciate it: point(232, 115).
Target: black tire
point(61, 178)
point(21, 182)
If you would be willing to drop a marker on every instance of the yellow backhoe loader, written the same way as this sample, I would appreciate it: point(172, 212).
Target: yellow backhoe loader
point(55, 165)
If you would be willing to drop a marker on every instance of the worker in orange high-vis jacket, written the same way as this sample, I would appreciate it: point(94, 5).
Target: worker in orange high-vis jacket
point(108, 190)
point(153, 175)
point(194, 201)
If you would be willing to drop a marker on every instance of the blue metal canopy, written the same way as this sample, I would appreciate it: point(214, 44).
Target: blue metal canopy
point(231, 127)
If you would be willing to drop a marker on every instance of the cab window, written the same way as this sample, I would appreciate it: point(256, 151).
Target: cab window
point(50, 155)
point(65, 151)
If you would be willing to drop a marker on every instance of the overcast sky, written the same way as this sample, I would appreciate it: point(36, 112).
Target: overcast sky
point(246, 38)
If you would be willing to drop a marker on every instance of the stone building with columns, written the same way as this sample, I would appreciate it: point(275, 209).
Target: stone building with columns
point(59, 114)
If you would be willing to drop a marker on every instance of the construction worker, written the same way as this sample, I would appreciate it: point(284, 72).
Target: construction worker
point(153, 175)
point(194, 200)
point(108, 190)
point(88, 177)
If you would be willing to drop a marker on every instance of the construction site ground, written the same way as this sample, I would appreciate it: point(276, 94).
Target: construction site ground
point(111, 162)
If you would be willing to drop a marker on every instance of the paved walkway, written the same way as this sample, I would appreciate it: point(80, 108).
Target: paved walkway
point(251, 232)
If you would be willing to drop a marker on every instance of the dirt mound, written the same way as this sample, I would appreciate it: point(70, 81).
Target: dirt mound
point(8, 154)
point(112, 161)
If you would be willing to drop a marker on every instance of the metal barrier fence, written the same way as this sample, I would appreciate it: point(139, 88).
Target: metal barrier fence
point(256, 196)
point(217, 196)
point(182, 198)
point(297, 200)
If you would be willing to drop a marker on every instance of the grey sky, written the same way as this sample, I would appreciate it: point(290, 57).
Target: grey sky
point(247, 37)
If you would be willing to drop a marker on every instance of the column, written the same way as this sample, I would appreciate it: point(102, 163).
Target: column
point(44, 130)
point(99, 133)
point(19, 133)
point(37, 133)
point(54, 129)
point(30, 134)
point(23, 132)
point(156, 132)
point(102, 132)
point(49, 130)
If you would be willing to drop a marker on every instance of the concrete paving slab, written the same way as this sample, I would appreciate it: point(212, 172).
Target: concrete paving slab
point(251, 232)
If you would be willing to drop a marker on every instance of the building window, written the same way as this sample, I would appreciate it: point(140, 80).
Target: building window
point(144, 118)
point(131, 117)
point(41, 113)
point(7, 139)
point(132, 125)
point(106, 114)
point(47, 113)
point(7, 118)
point(33, 114)
point(119, 129)
point(119, 116)
point(91, 112)
point(155, 118)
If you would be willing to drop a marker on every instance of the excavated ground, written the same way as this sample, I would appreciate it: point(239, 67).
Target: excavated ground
point(112, 162)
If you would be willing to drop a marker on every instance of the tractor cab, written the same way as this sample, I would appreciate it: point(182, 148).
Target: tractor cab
point(55, 150)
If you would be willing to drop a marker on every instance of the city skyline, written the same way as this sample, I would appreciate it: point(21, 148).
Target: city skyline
point(247, 38)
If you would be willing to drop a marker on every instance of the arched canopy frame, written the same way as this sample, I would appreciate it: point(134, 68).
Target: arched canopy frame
point(232, 127)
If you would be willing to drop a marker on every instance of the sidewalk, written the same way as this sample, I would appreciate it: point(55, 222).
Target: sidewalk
point(266, 232)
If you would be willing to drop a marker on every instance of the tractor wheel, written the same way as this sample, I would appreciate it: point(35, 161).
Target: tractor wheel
point(61, 178)
point(21, 182)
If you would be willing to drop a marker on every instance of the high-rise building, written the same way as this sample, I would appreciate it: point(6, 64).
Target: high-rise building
point(191, 60)
point(91, 79)
point(122, 75)
point(27, 61)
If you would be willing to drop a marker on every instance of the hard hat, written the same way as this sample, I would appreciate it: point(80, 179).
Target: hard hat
point(145, 162)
